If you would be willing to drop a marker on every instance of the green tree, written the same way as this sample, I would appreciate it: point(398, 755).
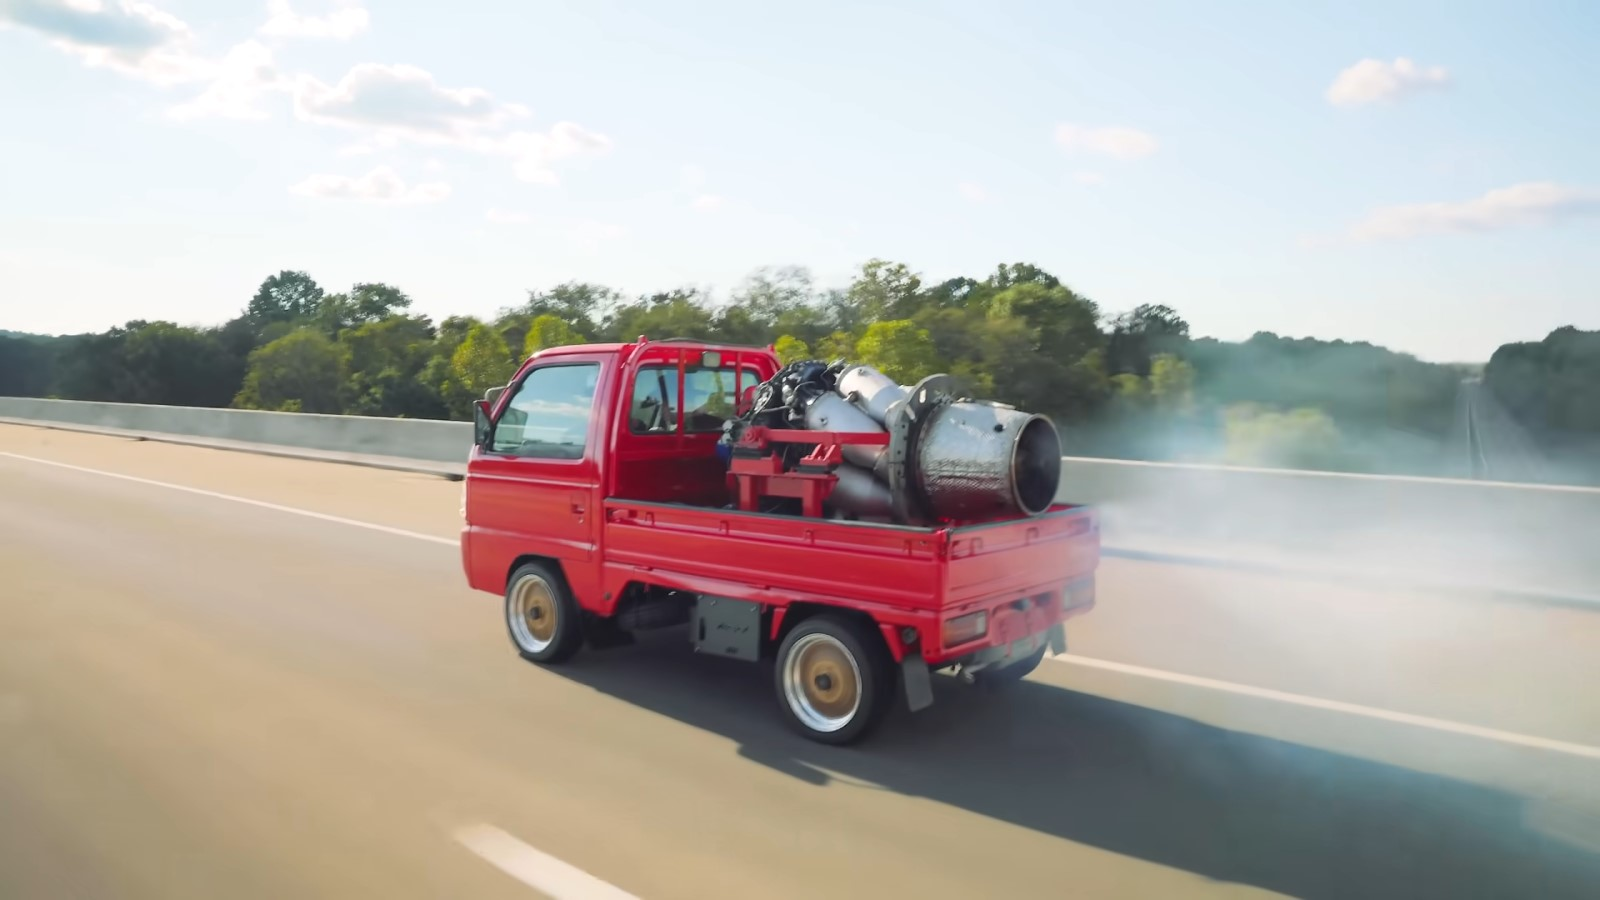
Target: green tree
point(149, 362)
point(452, 332)
point(481, 362)
point(1010, 275)
point(884, 291)
point(1137, 337)
point(769, 294)
point(288, 296)
point(580, 304)
point(679, 313)
point(302, 371)
point(898, 349)
point(1171, 383)
point(28, 365)
point(548, 331)
point(837, 345)
point(90, 366)
point(386, 362)
point(1053, 351)
point(1361, 386)
point(1553, 385)
point(1130, 392)
point(375, 301)
point(1297, 439)
point(791, 349)
point(366, 302)
point(172, 365)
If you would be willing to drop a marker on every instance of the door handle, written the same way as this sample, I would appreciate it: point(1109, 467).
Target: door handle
point(577, 508)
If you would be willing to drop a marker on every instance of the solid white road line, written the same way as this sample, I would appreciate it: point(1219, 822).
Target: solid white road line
point(535, 868)
point(399, 532)
point(1352, 709)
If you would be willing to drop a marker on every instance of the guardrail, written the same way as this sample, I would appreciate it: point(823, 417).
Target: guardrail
point(1484, 536)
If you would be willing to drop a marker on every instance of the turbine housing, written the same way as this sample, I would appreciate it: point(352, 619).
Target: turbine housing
point(949, 457)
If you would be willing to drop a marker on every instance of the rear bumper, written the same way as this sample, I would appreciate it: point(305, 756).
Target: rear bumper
point(1014, 628)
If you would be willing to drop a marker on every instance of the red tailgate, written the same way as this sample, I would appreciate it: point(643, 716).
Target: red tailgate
point(1021, 556)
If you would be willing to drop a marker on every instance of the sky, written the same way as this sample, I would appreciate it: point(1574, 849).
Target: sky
point(1420, 175)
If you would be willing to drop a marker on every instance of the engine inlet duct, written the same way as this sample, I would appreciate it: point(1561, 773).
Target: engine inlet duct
point(981, 459)
point(969, 459)
point(949, 457)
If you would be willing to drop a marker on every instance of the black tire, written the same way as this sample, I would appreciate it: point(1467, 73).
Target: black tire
point(837, 649)
point(995, 679)
point(535, 594)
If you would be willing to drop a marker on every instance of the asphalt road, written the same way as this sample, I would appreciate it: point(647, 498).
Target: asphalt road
point(202, 697)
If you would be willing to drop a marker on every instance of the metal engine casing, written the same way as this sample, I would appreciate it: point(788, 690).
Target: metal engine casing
point(831, 412)
point(975, 460)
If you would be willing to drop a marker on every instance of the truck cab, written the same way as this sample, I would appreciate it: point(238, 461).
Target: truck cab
point(597, 504)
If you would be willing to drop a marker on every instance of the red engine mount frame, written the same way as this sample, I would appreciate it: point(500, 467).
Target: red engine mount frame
point(757, 469)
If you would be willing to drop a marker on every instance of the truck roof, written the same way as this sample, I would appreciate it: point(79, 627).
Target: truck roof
point(687, 343)
point(569, 349)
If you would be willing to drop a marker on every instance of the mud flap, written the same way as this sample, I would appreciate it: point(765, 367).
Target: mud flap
point(918, 682)
point(1058, 638)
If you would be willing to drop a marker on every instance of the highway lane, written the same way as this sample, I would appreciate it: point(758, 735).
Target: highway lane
point(203, 698)
point(1499, 664)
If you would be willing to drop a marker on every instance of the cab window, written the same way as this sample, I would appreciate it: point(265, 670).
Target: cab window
point(548, 416)
point(709, 398)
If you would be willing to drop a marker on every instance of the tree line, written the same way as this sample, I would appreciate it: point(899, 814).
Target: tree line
point(1133, 384)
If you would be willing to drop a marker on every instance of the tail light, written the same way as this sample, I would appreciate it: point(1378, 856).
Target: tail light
point(963, 629)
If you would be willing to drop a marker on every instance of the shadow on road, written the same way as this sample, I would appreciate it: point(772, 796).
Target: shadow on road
point(1221, 804)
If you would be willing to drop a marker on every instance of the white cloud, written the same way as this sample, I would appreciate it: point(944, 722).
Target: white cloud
point(691, 177)
point(1109, 140)
point(389, 104)
point(972, 192)
point(404, 100)
point(242, 78)
point(1520, 205)
point(140, 41)
point(345, 22)
point(534, 152)
point(707, 202)
point(381, 185)
point(1372, 80)
point(508, 217)
point(130, 37)
point(1089, 177)
point(400, 102)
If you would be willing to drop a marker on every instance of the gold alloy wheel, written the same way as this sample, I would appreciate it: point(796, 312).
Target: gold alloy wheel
point(822, 682)
point(533, 619)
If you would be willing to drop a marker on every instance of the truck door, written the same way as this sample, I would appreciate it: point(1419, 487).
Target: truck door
point(536, 487)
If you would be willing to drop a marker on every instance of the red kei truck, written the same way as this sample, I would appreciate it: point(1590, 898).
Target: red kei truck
point(596, 503)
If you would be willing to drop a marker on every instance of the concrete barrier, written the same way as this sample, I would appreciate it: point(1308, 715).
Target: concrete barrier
point(411, 438)
point(1495, 537)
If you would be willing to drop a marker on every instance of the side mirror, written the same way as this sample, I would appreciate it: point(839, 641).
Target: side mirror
point(480, 423)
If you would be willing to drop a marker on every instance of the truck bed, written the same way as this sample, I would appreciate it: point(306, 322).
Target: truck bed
point(781, 559)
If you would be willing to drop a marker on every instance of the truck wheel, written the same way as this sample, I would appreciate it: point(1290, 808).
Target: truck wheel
point(834, 679)
point(1005, 677)
point(541, 614)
